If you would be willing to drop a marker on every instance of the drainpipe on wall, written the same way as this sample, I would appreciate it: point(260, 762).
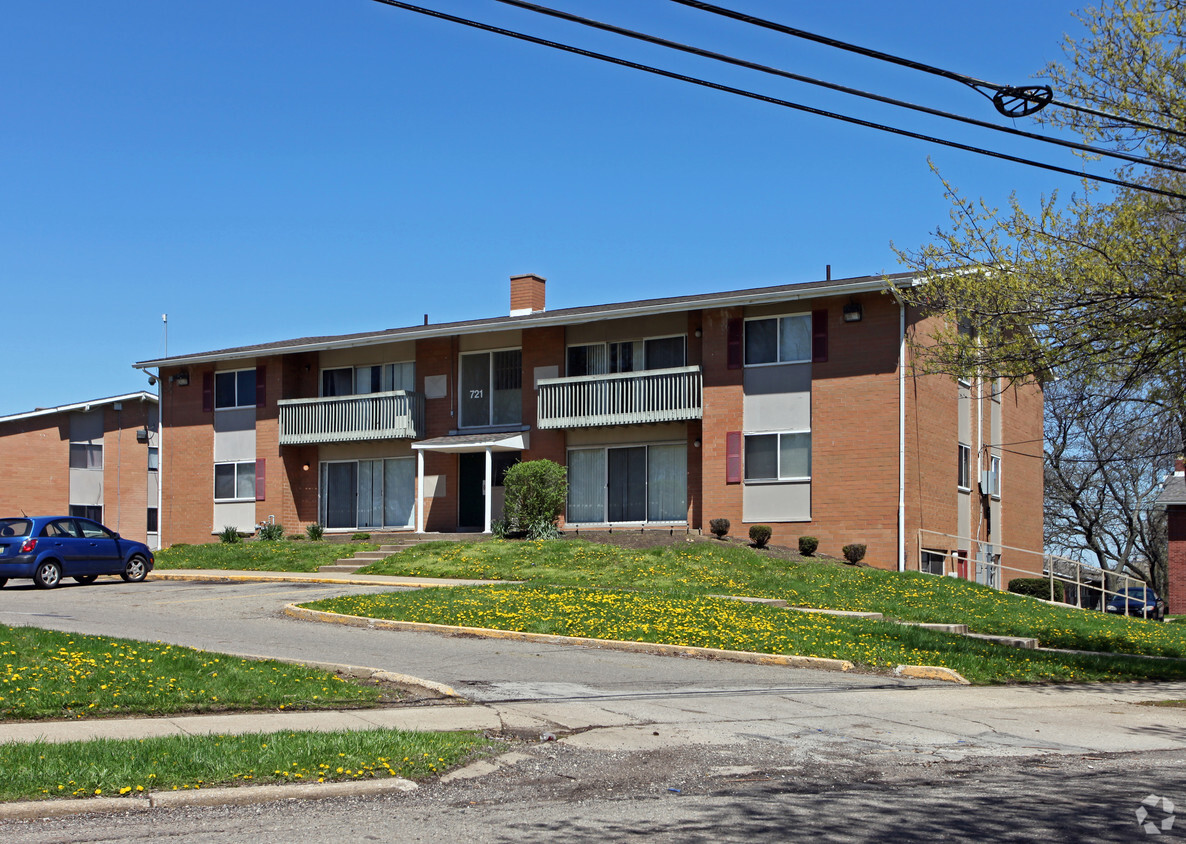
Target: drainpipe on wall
point(902, 437)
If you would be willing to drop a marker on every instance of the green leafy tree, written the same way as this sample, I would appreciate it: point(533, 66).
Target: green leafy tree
point(535, 494)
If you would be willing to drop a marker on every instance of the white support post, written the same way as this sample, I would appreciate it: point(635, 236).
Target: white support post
point(489, 488)
point(419, 492)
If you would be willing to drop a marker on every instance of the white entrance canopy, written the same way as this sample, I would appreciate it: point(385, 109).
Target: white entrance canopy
point(467, 444)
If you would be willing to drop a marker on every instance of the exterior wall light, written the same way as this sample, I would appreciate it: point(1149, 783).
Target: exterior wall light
point(852, 312)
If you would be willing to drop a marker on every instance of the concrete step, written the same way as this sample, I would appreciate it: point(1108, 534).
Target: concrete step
point(1011, 641)
point(367, 555)
point(959, 629)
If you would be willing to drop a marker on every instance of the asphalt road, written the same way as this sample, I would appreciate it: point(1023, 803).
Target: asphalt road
point(668, 748)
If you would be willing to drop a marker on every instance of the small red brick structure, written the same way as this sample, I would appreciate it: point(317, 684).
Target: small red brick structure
point(1173, 499)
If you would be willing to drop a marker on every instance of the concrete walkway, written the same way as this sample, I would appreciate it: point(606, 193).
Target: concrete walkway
point(345, 578)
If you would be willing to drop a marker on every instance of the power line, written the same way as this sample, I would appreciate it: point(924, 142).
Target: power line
point(741, 92)
point(786, 74)
point(1038, 96)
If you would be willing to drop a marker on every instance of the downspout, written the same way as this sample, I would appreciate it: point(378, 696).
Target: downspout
point(160, 462)
point(902, 437)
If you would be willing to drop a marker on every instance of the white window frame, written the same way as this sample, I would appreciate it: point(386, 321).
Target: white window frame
point(605, 480)
point(239, 400)
point(963, 478)
point(461, 422)
point(92, 456)
point(994, 467)
point(605, 344)
point(778, 454)
point(154, 458)
point(778, 318)
point(238, 464)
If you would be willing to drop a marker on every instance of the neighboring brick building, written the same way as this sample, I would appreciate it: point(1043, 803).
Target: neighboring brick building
point(783, 405)
point(96, 459)
point(1173, 499)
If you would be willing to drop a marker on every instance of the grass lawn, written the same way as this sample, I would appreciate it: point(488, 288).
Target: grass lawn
point(111, 767)
point(48, 674)
point(285, 555)
point(701, 621)
point(695, 570)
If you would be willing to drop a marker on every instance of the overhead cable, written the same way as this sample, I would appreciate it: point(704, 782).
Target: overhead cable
point(786, 74)
point(1001, 95)
point(776, 101)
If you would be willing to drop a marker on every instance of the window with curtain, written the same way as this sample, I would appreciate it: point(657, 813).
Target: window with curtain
point(773, 457)
point(586, 485)
point(778, 340)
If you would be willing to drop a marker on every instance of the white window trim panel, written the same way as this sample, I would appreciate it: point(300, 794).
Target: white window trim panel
point(238, 399)
point(778, 339)
point(236, 500)
point(795, 479)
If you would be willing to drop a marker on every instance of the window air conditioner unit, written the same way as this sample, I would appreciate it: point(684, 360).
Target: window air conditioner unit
point(988, 482)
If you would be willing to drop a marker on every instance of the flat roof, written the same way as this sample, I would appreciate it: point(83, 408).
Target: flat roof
point(563, 316)
point(141, 395)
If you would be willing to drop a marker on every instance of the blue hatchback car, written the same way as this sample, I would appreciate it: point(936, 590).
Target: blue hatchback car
point(1139, 601)
point(49, 548)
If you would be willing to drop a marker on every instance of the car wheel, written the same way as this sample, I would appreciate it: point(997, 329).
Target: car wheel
point(86, 579)
point(48, 575)
point(3, 580)
point(136, 569)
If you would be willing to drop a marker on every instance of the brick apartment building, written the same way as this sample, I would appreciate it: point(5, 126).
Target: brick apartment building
point(794, 406)
point(96, 459)
point(1173, 499)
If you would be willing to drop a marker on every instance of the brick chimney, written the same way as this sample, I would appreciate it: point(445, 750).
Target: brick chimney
point(1180, 466)
point(527, 294)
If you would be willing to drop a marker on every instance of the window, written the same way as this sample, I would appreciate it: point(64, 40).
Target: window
point(491, 388)
point(994, 475)
point(933, 562)
point(778, 457)
point(500, 464)
point(151, 525)
point(627, 356)
point(86, 456)
point(778, 340)
point(361, 380)
point(154, 458)
point(87, 511)
point(628, 484)
point(965, 467)
point(234, 481)
point(234, 389)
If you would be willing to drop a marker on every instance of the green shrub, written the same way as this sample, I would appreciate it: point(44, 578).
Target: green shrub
point(295, 537)
point(854, 553)
point(360, 537)
point(229, 535)
point(719, 527)
point(314, 532)
point(807, 545)
point(760, 535)
point(1037, 587)
point(271, 532)
point(535, 494)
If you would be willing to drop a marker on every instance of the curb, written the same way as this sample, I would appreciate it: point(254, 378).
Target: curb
point(818, 663)
point(242, 796)
point(931, 672)
point(360, 672)
point(310, 577)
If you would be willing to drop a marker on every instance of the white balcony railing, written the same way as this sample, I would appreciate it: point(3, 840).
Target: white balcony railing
point(624, 398)
point(375, 416)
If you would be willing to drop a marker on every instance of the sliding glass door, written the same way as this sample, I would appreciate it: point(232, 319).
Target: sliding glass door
point(628, 484)
point(368, 493)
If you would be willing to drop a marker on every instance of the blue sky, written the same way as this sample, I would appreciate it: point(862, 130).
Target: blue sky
point(267, 170)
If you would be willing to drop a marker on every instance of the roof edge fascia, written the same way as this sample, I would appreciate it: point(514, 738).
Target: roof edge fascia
point(543, 318)
point(141, 395)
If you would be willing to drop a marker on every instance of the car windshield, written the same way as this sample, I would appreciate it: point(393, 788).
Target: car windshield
point(15, 527)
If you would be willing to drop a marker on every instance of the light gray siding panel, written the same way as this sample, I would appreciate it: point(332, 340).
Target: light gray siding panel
point(234, 435)
point(782, 502)
point(631, 328)
point(86, 427)
point(778, 398)
point(239, 514)
point(86, 487)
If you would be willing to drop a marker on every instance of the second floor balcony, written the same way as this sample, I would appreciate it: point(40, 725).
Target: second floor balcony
point(621, 398)
point(374, 416)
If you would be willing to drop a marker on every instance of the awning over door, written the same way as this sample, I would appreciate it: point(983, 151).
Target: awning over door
point(466, 444)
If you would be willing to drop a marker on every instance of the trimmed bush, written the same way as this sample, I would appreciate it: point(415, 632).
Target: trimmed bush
point(229, 535)
point(1037, 587)
point(719, 527)
point(271, 532)
point(360, 537)
point(760, 535)
point(314, 532)
point(855, 552)
point(535, 495)
point(807, 545)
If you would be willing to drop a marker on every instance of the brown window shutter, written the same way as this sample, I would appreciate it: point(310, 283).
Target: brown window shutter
point(819, 336)
point(261, 480)
point(261, 386)
point(208, 392)
point(733, 457)
point(736, 330)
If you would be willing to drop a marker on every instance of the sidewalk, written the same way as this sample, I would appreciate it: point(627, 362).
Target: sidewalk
point(345, 578)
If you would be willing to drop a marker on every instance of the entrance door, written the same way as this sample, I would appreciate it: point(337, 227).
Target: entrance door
point(471, 490)
point(340, 494)
point(627, 484)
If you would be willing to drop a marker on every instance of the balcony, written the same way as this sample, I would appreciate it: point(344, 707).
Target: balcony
point(623, 398)
point(375, 416)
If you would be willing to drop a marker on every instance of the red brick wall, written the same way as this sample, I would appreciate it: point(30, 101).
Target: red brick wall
point(542, 347)
point(723, 397)
point(1022, 488)
point(125, 469)
point(35, 454)
point(1176, 517)
point(437, 356)
point(187, 461)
